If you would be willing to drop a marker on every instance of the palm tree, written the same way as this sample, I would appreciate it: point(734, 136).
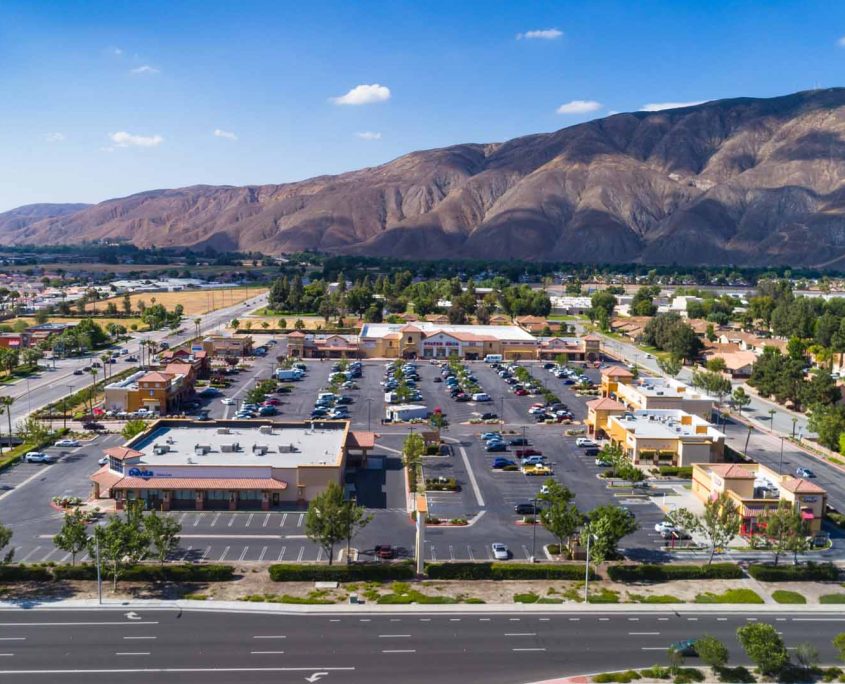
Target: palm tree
point(106, 359)
point(197, 324)
point(6, 404)
point(93, 373)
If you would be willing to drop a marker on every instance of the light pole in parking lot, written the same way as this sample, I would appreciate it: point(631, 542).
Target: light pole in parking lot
point(590, 537)
point(97, 529)
point(64, 407)
point(534, 532)
point(369, 401)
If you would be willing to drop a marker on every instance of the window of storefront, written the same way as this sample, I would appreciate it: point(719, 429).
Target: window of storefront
point(217, 495)
point(184, 494)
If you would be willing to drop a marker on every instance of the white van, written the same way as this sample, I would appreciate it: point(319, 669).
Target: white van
point(493, 358)
point(481, 396)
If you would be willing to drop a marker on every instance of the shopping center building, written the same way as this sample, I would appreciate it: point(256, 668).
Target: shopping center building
point(230, 464)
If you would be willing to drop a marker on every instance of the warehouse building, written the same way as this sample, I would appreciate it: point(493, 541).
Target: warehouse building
point(230, 464)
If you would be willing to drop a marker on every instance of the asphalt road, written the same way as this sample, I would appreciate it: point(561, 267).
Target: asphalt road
point(496, 648)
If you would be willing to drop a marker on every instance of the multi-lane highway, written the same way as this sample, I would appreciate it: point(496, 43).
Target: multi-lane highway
point(359, 646)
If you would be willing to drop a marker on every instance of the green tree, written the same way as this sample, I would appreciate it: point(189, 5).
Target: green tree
point(764, 647)
point(716, 365)
point(720, 522)
point(828, 422)
point(353, 519)
point(670, 365)
point(412, 453)
point(740, 399)
point(712, 651)
point(132, 428)
point(807, 655)
point(603, 301)
point(122, 541)
point(5, 540)
point(72, 537)
point(163, 533)
point(559, 516)
point(783, 530)
point(608, 524)
point(838, 643)
point(324, 520)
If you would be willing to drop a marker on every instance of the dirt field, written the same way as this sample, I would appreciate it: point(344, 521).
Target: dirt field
point(195, 302)
point(311, 322)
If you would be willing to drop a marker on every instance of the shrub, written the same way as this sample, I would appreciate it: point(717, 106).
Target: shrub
point(655, 598)
point(666, 573)
point(529, 597)
point(215, 572)
point(656, 672)
point(832, 598)
point(783, 596)
point(505, 571)
point(836, 518)
point(688, 675)
point(676, 471)
point(604, 596)
point(812, 572)
point(24, 573)
point(414, 596)
point(289, 572)
point(730, 596)
point(622, 677)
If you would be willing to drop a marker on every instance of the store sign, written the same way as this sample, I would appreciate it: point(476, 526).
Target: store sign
point(809, 499)
point(137, 472)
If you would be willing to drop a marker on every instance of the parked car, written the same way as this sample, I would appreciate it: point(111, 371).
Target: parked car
point(805, 473)
point(603, 462)
point(67, 443)
point(77, 372)
point(528, 508)
point(495, 447)
point(533, 460)
point(528, 451)
point(37, 457)
point(490, 435)
point(384, 551)
point(519, 441)
point(103, 460)
point(593, 451)
point(499, 463)
point(481, 397)
point(489, 416)
point(585, 442)
point(537, 470)
point(500, 551)
point(91, 425)
point(663, 526)
point(521, 392)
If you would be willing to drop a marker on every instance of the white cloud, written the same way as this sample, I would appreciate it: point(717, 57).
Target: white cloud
point(144, 69)
point(540, 34)
point(660, 106)
point(579, 107)
point(124, 139)
point(54, 137)
point(220, 133)
point(364, 94)
point(841, 42)
point(369, 135)
point(116, 51)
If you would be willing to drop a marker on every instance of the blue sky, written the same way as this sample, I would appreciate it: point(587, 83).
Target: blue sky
point(104, 99)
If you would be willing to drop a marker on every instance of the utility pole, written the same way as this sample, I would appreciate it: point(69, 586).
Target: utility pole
point(534, 532)
point(587, 570)
point(780, 467)
point(64, 406)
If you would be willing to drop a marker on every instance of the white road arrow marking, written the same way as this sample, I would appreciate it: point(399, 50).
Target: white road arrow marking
point(317, 675)
point(133, 616)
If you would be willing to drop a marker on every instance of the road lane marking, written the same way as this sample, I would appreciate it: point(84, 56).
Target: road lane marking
point(574, 619)
point(544, 619)
point(394, 636)
point(132, 653)
point(396, 619)
point(484, 619)
point(520, 633)
point(12, 638)
point(425, 619)
point(654, 648)
point(662, 619)
point(818, 619)
point(643, 633)
point(364, 620)
point(603, 619)
point(270, 636)
point(528, 649)
point(77, 624)
point(140, 637)
point(266, 652)
point(454, 619)
point(513, 619)
point(633, 619)
point(402, 650)
point(721, 619)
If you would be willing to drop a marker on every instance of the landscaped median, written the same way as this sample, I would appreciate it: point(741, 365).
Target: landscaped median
point(47, 572)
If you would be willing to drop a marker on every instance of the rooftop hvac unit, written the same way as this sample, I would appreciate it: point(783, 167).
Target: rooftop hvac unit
point(230, 448)
point(223, 431)
point(260, 449)
point(160, 449)
point(266, 429)
point(201, 449)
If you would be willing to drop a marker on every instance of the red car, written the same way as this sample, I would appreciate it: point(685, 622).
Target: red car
point(528, 451)
point(385, 551)
point(271, 402)
point(521, 392)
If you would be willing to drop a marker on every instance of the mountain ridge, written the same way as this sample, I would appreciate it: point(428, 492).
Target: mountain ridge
point(745, 181)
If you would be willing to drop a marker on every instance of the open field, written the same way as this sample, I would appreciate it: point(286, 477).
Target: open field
point(311, 322)
point(195, 302)
point(97, 267)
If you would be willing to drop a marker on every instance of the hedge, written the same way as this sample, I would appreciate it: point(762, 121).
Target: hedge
point(676, 471)
point(137, 573)
point(836, 518)
point(811, 572)
point(505, 571)
point(355, 572)
point(665, 573)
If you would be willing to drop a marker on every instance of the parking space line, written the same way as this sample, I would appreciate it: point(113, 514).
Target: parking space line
point(284, 519)
point(282, 554)
point(182, 518)
point(266, 520)
point(471, 475)
point(451, 553)
point(526, 552)
point(198, 518)
point(225, 552)
point(301, 554)
point(433, 555)
point(249, 519)
point(231, 521)
point(261, 555)
point(301, 518)
point(49, 553)
point(243, 553)
point(27, 556)
point(469, 551)
point(216, 518)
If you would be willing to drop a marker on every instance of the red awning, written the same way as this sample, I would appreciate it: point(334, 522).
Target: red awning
point(807, 515)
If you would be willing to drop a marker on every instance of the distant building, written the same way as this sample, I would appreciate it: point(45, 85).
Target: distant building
point(235, 345)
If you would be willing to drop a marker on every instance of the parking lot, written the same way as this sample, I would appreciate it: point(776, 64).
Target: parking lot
point(486, 498)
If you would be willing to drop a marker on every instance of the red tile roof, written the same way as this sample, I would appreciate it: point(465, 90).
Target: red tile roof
point(360, 440)
point(121, 453)
point(156, 376)
point(731, 471)
point(618, 372)
point(605, 404)
point(801, 486)
point(106, 478)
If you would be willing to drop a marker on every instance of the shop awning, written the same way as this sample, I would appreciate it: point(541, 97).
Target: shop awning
point(203, 483)
point(807, 515)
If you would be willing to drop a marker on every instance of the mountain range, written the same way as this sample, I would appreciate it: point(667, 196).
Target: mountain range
point(742, 181)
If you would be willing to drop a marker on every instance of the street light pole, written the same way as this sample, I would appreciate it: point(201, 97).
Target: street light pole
point(794, 421)
point(99, 572)
point(64, 406)
point(780, 467)
point(534, 532)
point(369, 406)
point(587, 570)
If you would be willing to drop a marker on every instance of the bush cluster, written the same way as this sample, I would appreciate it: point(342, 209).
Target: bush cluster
point(812, 572)
point(505, 571)
point(214, 572)
point(666, 573)
point(289, 572)
point(676, 471)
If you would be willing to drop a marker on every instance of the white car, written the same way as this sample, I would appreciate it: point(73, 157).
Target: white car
point(500, 551)
point(228, 401)
point(103, 461)
point(68, 443)
point(585, 442)
point(38, 457)
point(664, 526)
